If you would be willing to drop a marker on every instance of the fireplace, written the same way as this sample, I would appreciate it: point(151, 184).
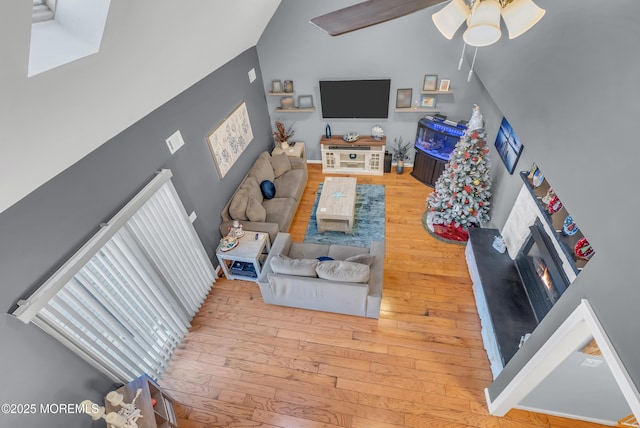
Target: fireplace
point(541, 272)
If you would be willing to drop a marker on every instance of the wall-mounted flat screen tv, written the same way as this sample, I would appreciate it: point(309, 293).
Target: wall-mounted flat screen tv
point(355, 99)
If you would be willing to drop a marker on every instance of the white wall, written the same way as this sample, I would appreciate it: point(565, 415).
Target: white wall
point(151, 51)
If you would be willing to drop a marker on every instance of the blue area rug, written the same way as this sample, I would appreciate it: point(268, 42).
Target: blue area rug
point(369, 219)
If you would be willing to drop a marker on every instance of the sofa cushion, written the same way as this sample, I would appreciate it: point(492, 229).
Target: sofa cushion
point(365, 259)
point(255, 211)
point(300, 267)
point(280, 164)
point(342, 271)
point(268, 189)
point(238, 206)
point(252, 187)
point(280, 211)
point(303, 250)
point(262, 169)
point(343, 252)
point(291, 184)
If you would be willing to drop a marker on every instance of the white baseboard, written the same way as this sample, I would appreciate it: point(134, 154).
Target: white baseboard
point(568, 416)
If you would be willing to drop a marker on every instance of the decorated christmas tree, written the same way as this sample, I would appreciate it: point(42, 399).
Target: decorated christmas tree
point(461, 196)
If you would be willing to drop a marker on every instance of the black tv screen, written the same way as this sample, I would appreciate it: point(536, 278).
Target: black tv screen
point(355, 99)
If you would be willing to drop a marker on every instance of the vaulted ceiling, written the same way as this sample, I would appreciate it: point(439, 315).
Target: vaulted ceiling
point(151, 51)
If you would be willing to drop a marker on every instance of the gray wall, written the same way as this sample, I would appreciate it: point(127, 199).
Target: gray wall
point(404, 50)
point(569, 87)
point(50, 224)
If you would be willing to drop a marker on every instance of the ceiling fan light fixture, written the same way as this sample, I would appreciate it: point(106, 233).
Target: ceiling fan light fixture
point(451, 17)
point(483, 24)
point(520, 15)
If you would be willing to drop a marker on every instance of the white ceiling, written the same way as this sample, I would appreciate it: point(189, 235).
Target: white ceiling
point(151, 51)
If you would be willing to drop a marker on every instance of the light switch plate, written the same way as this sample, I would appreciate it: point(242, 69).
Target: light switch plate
point(252, 75)
point(591, 362)
point(175, 142)
point(193, 216)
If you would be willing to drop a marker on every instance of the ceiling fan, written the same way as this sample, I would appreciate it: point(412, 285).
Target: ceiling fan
point(482, 16)
point(368, 13)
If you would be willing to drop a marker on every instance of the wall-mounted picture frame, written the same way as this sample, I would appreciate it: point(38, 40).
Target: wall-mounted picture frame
point(305, 101)
point(508, 145)
point(229, 139)
point(430, 82)
point(427, 101)
point(444, 85)
point(276, 86)
point(288, 86)
point(403, 98)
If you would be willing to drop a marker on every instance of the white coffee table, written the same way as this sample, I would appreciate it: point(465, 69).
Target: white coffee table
point(337, 204)
point(250, 249)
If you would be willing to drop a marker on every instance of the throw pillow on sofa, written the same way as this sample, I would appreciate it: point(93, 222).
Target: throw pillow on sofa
point(300, 267)
point(255, 211)
point(342, 271)
point(268, 189)
point(280, 164)
point(238, 206)
point(262, 169)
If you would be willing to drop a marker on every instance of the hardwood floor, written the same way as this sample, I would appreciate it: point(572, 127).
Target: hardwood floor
point(422, 364)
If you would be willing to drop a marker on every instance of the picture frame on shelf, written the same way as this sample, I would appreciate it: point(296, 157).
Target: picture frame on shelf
point(288, 86)
point(427, 101)
point(444, 85)
point(276, 86)
point(305, 101)
point(508, 145)
point(403, 98)
point(430, 82)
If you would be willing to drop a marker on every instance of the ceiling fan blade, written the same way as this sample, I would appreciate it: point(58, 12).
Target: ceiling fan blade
point(368, 13)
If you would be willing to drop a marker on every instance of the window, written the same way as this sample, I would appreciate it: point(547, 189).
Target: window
point(43, 10)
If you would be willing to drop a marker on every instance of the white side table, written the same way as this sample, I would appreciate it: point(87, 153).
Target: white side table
point(295, 151)
point(245, 260)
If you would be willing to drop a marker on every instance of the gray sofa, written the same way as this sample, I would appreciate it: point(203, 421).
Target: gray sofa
point(329, 295)
point(248, 205)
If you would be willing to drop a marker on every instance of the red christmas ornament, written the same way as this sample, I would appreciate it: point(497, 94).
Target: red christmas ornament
point(454, 166)
point(480, 203)
point(467, 189)
point(466, 201)
point(474, 135)
point(467, 155)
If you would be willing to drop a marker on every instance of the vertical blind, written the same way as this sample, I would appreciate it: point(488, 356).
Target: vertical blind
point(125, 300)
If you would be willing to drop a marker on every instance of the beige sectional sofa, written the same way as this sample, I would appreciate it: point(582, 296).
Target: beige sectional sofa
point(350, 284)
point(253, 210)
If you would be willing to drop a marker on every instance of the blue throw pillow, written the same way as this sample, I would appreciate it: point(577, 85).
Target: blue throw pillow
point(324, 258)
point(268, 189)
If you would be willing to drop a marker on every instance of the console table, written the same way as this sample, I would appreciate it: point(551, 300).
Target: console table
point(503, 306)
point(365, 156)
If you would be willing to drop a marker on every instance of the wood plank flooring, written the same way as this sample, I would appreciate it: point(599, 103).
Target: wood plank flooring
point(422, 364)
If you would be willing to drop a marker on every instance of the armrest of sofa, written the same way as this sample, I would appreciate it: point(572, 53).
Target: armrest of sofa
point(256, 226)
point(376, 279)
point(280, 245)
point(298, 163)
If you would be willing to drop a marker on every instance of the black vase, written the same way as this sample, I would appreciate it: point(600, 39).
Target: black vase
point(327, 131)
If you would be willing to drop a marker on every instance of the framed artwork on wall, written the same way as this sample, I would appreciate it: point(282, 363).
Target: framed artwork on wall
point(276, 86)
point(427, 101)
point(430, 82)
point(444, 85)
point(230, 138)
point(403, 98)
point(508, 145)
point(305, 101)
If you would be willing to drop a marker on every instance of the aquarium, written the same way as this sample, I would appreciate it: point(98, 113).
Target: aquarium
point(437, 136)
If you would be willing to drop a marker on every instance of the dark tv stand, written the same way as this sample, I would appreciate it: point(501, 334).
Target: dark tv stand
point(503, 306)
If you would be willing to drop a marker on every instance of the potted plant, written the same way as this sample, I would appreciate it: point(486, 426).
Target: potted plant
point(282, 134)
point(400, 153)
